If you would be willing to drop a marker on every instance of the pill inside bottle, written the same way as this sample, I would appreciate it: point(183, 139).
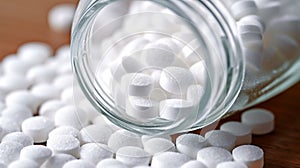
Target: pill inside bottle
point(156, 67)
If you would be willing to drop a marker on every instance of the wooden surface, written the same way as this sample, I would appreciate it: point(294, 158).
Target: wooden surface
point(24, 21)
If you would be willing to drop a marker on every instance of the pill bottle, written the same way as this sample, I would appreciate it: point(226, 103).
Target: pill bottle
point(247, 51)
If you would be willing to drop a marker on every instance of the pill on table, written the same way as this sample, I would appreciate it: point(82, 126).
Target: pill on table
point(67, 95)
point(24, 164)
point(95, 152)
point(13, 82)
point(17, 113)
point(190, 144)
point(212, 156)
point(174, 109)
point(71, 116)
point(141, 108)
point(176, 80)
point(63, 52)
point(241, 131)
point(199, 72)
point(221, 139)
point(15, 66)
point(158, 145)
point(158, 55)
point(9, 152)
point(57, 160)
point(65, 130)
point(8, 126)
point(140, 85)
point(133, 156)
point(64, 144)
point(38, 128)
point(260, 120)
point(193, 164)
point(243, 8)
point(169, 159)
point(36, 153)
point(251, 155)
point(102, 120)
point(145, 138)
point(90, 134)
point(45, 92)
point(18, 137)
point(48, 108)
point(195, 93)
point(23, 98)
point(109, 163)
point(40, 74)
point(123, 138)
point(60, 17)
point(34, 53)
point(231, 164)
point(78, 164)
point(63, 81)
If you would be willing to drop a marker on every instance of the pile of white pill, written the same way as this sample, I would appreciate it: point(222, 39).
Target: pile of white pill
point(40, 125)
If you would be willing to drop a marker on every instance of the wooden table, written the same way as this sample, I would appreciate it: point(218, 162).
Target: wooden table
point(25, 21)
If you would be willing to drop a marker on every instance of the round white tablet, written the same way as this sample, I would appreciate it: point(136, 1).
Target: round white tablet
point(251, 155)
point(40, 74)
point(141, 108)
point(19, 137)
point(133, 156)
point(91, 133)
point(37, 153)
point(159, 145)
point(48, 108)
point(15, 66)
point(63, 81)
point(60, 17)
point(95, 152)
point(260, 120)
point(109, 163)
point(193, 164)
point(174, 109)
point(78, 164)
point(190, 144)
point(12, 82)
point(212, 156)
point(24, 164)
point(241, 131)
point(140, 85)
point(64, 144)
point(145, 138)
point(17, 113)
point(231, 164)
point(9, 152)
point(222, 139)
point(8, 126)
point(38, 128)
point(45, 92)
point(57, 160)
point(199, 72)
point(176, 80)
point(65, 130)
point(123, 138)
point(169, 159)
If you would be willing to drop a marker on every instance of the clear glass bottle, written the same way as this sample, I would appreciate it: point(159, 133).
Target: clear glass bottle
point(249, 50)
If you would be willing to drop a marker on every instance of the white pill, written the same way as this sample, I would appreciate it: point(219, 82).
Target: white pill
point(241, 131)
point(175, 109)
point(12, 82)
point(71, 116)
point(243, 8)
point(155, 75)
point(221, 139)
point(190, 144)
point(9, 152)
point(57, 160)
point(65, 130)
point(158, 145)
point(102, 120)
point(15, 66)
point(34, 53)
point(24, 164)
point(95, 152)
point(140, 85)
point(199, 72)
point(18, 137)
point(133, 156)
point(17, 113)
point(37, 153)
point(65, 68)
point(48, 109)
point(23, 98)
point(91, 134)
point(141, 108)
point(38, 128)
point(78, 164)
point(158, 55)
point(111, 163)
point(63, 81)
point(191, 52)
point(253, 20)
point(231, 164)
point(251, 155)
point(260, 120)
point(193, 164)
point(145, 138)
point(195, 93)
point(60, 17)
point(67, 95)
point(123, 138)
point(133, 46)
point(170, 43)
point(169, 159)
point(176, 80)
point(63, 52)
point(212, 156)
point(64, 144)
point(8, 126)
point(40, 74)
point(45, 92)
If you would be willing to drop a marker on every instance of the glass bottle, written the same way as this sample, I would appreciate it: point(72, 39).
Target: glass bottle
point(249, 50)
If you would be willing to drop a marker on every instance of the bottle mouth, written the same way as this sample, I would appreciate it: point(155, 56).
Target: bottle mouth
point(156, 67)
